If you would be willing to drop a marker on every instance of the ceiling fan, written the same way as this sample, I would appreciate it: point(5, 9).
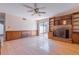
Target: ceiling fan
point(35, 10)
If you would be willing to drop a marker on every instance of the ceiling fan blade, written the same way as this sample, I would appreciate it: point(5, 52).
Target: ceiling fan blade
point(28, 6)
point(35, 5)
point(30, 10)
point(42, 7)
point(42, 12)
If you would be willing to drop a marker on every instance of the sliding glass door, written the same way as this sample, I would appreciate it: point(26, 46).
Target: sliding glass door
point(43, 27)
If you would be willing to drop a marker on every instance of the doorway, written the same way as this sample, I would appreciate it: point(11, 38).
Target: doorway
point(2, 28)
point(43, 27)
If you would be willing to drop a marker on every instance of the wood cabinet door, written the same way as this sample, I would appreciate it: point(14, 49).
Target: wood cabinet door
point(75, 37)
point(11, 35)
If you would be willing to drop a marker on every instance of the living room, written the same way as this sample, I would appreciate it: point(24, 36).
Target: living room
point(39, 28)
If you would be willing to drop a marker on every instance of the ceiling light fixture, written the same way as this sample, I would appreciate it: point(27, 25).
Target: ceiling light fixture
point(35, 10)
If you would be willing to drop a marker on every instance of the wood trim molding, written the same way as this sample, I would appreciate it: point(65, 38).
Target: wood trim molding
point(75, 13)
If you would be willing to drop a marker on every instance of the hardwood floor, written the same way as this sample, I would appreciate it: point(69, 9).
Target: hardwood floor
point(39, 46)
point(1, 40)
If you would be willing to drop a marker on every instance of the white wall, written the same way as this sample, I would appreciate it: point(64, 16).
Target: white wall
point(14, 23)
point(1, 29)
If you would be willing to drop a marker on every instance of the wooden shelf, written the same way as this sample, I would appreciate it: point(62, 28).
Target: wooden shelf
point(59, 20)
point(51, 24)
point(56, 21)
point(75, 22)
point(71, 19)
point(75, 27)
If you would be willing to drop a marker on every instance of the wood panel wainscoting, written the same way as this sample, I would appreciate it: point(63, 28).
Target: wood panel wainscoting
point(12, 35)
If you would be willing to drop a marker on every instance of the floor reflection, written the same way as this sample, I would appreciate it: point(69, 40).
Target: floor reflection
point(40, 45)
point(44, 43)
point(33, 46)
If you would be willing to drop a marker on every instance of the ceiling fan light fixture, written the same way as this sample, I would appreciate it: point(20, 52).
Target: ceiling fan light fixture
point(24, 19)
point(35, 9)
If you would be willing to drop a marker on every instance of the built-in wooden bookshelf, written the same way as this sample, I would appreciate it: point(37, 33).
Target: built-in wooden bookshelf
point(60, 22)
point(76, 22)
point(70, 21)
point(51, 24)
point(75, 29)
point(67, 18)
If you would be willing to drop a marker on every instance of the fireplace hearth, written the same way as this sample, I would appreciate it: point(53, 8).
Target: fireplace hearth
point(61, 32)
